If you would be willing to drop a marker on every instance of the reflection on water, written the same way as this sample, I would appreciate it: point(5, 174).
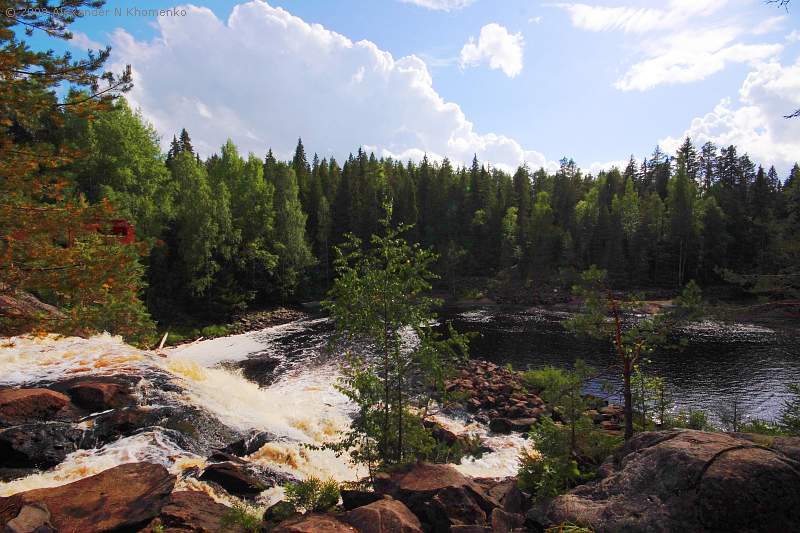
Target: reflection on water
point(723, 362)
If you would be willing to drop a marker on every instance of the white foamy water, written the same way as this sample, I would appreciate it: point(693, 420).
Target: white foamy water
point(302, 408)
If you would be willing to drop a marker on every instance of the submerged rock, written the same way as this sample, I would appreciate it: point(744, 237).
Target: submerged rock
point(383, 516)
point(684, 480)
point(118, 499)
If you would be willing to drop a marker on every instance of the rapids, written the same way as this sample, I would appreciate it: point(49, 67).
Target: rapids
point(300, 406)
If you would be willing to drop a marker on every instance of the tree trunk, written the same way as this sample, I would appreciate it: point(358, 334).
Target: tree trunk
point(626, 374)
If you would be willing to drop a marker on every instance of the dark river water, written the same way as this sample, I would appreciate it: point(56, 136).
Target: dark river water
point(723, 363)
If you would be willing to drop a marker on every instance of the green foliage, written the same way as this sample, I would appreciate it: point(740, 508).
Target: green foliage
point(214, 330)
point(691, 419)
point(548, 377)
point(378, 297)
point(568, 527)
point(652, 400)
point(790, 416)
point(158, 528)
point(549, 469)
point(760, 427)
point(244, 516)
point(313, 494)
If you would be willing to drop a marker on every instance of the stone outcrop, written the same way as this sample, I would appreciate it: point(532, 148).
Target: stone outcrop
point(684, 480)
point(383, 516)
point(439, 495)
point(119, 499)
point(20, 406)
point(234, 478)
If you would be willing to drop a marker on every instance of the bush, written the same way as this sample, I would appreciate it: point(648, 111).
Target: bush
point(760, 427)
point(691, 419)
point(215, 330)
point(790, 417)
point(313, 494)
point(549, 469)
point(243, 516)
point(542, 379)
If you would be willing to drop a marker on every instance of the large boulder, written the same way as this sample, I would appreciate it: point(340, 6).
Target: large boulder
point(18, 406)
point(38, 445)
point(192, 511)
point(439, 495)
point(383, 516)
point(118, 499)
point(100, 396)
point(234, 478)
point(313, 523)
point(684, 480)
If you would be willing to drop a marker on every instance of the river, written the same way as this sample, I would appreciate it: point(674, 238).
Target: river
point(282, 380)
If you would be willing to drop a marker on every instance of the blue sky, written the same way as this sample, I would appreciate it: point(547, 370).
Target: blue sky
point(595, 81)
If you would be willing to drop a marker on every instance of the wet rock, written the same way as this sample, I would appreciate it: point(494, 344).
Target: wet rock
point(505, 425)
point(440, 433)
point(260, 369)
point(38, 445)
point(438, 495)
point(383, 516)
point(99, 396)
point(314, 523)
point(32, 518)
point(358, 498)
point(684, 480)
point(192, 511)
point(251, 443)
point(10, 474)
point(119, 499)
point(18, 406)
point(234, 479)
point(280, 511)
point(119, 423)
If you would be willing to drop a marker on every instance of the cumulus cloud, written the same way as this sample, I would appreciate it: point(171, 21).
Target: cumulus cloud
point(755, 123)
point(265, 77)
point(440, 5)
point(495, 45)
point(677, 43)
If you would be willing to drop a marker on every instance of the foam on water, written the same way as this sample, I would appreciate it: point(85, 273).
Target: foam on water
point(302, 408)
point(148, 446)
point(30, 359)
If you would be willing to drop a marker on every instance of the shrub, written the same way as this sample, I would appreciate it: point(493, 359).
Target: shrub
point(692, 419)
point(790, 417)
point(549, 469)
point(215, 330)
point(313, 494)
point(243, 516)
point(545, 378)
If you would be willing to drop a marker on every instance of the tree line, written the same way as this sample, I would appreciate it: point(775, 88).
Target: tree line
point(230, 230)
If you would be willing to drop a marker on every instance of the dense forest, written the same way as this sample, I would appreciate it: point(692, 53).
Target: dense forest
point(231, 231)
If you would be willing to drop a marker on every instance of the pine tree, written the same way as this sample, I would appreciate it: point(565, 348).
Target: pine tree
point(291, 245)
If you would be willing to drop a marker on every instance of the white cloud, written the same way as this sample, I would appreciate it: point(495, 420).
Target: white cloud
point(82, 41)
point(692, 56)
point(678, 43)
point(535, 20)
point(793, 37)
point(502, 49)
point(265, 77)
point(440, 5)
point(755, 124)
point(638, 20)
point(769, 25)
